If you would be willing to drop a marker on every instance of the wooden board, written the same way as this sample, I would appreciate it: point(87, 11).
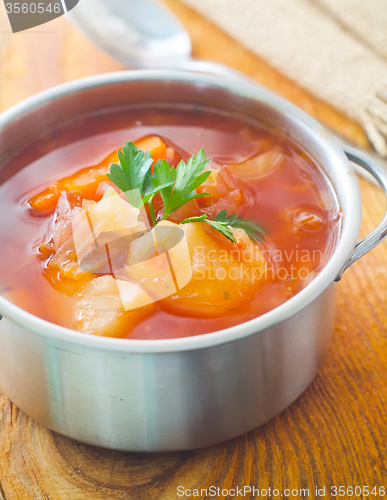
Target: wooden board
point(335, 433)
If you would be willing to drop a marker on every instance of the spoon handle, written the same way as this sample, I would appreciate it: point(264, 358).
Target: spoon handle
point(138, 33)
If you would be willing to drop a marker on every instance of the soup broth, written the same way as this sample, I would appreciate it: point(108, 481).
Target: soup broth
point(259, 175)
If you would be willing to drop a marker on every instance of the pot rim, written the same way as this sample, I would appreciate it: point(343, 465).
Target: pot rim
point(345, 176)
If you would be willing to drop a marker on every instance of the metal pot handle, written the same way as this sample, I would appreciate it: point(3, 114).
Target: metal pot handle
point(380, 232)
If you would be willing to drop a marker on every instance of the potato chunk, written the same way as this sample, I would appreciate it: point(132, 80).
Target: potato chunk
point(103, 231)
point(93, 239)
point(160, 260)
point(112, 213)
point(204, 274)
point(110, 307)
point(225, 274)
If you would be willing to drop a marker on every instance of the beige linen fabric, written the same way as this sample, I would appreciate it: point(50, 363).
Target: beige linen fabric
point(366, 19)
point(337, 49)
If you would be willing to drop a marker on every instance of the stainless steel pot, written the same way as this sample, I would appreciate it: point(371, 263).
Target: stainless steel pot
point(191, 392)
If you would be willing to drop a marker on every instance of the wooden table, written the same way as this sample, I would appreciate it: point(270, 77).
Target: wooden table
point(335, 434)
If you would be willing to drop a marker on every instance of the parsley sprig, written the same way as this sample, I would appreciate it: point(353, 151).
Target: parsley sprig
point(224, 223)
point(176, 185)
point(134, 172)
point(186, 177)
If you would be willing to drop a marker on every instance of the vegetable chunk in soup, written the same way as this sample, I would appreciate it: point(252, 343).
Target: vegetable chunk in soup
point(162, 224)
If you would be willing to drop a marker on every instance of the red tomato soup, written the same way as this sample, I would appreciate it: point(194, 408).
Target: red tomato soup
point(266, 227)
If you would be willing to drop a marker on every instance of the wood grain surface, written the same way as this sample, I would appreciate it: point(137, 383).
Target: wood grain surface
point(335, 434)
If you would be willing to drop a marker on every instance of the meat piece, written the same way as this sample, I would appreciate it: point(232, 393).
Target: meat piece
point(223, 194)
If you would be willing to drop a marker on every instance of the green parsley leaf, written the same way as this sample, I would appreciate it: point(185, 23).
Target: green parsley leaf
point(253, 229)
point(134, 172)
point(134, 165)
point(164, 174)
point(219, 226)
point(222, 228)
point(223, 225)
point(149, 189)
point(187, 176)
point(194, 219)
point(176, 185)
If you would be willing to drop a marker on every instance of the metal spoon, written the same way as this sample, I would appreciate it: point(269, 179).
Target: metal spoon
point(142, 34)
point(145, 34)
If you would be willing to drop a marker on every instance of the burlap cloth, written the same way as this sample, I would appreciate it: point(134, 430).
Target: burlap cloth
point(337, 49)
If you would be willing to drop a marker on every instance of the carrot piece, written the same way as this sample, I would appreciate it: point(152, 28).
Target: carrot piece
point(154, 145)
point(172, 157)
point(46, 200)
point(87, 180)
